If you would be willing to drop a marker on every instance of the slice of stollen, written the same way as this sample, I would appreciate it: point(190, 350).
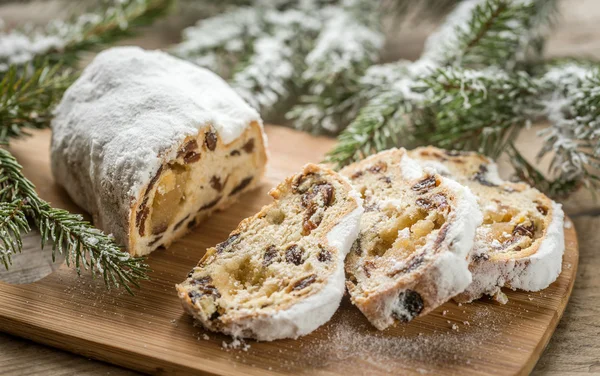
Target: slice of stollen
point(415, 236)
point(521, 241)
point(280, 274)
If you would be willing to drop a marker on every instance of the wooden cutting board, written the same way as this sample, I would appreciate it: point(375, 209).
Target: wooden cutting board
point(150, 332)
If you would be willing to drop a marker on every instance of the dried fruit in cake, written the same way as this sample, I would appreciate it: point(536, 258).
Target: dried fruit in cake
point(150, 145)
point(521, 241)
point(280, 274)
point(415, 235)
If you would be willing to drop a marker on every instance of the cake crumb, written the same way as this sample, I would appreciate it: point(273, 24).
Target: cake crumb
point(444, 312)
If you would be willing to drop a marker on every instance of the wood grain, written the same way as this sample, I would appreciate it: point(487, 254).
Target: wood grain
point(150, 332)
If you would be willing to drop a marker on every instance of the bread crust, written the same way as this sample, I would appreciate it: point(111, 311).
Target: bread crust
point(530, 266)
point(435, 271)
point(126, 119)
point(301, 313)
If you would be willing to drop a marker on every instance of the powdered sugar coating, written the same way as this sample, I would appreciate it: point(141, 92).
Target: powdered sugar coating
point(310, 313)
point(531, 273)
point(127, 113)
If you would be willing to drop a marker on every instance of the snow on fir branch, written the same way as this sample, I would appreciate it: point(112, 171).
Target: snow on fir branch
point(65, 40)
point(347, 45)
point(469, 90)
point(84, 247)
point(36, 67)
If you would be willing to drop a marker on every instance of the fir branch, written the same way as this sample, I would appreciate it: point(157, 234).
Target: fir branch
point(526, 172)
point(64, 41)
point(348, 44)
point(476, 110)
point(573, 109)
point(84, 246)
point(380, 125)
point(269, 76)
point(12, 223)
point(220, 42)
point(27, 99)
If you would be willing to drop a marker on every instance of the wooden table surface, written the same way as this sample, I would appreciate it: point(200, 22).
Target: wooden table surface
point(575, 346)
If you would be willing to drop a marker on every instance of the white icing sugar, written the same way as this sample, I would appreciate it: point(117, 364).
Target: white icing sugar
point(129, 110)
point(546, 264)
point(453, 267)
point(411, 170)
point(310, 313)
point(436, 166)
point(532, 273)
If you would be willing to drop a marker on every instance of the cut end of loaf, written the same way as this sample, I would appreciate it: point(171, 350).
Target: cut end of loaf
point(205, 175)
point(280, 274)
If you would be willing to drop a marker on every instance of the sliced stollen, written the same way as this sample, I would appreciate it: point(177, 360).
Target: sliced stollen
point(150, 145)
point(521, 241)
point(415, 236)
point(280, 274)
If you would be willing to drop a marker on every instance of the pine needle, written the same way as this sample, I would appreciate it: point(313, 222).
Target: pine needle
point(81, 244)
point(27, 98)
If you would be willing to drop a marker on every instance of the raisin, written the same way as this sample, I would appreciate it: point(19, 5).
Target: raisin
point(155, 241)
point(524, 230)
point(191, 273)
point(324, 191)
point(270, 254)
point(386, 179)
point(542, 209)
point(425, 184)
point(178, 225)
point(192, 223)
point(188, 147)
point(413, 264)
point(211, 204)
point(157, 230)
point(480, 257)
point(441, 237)
point(201, 281)
point(215, 183)
point(154, 179)
point(436, 201)
point(357, 174)
point(235, 153)
point(303, 182)
point(480, 176)
point(215, 315)
point(324, 255)
point(310, 222)
point(293, 254)
point(191, 157)
point(410, 304)
point(203, 290)
point(304, 282)
point(424, 203)
point(230, 240)
point(367, 267)
point(249, 146)
point(210, 140)
point(243, 184)
point(141, 216)
point(378, 167)
point(356, 247)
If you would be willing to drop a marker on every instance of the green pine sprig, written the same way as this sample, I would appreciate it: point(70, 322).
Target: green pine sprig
point(84, 247)
point(28, 96)
point(476, 110)
point(381, 124)
point(494, 34)
point(90, 31)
